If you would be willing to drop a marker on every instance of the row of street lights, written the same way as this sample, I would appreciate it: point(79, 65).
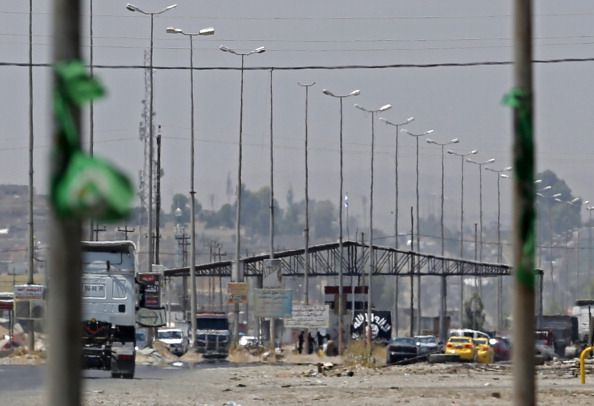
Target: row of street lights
point(236, 269)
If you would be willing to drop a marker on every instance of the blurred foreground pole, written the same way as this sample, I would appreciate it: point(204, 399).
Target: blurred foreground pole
point(64, 350)
point(521, 101)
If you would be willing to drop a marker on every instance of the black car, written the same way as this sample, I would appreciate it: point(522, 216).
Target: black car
point(400, 349)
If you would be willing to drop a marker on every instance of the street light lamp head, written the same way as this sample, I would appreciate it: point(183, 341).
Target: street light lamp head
point(557, 195)
point(503, 175)
point(490, 161)
point(327, 92)
point(575, 200)
point(429, 132)
point(454, 141)
point(259, 50)
point(430, 141)
point(359, 107)
point(131, 7)
point(355, 93)
point(409, 120)
point(586, 202)
point(474, 152)
point(207, 31)
point(385, 107)
point(508, 168)
point(170, 7)
point(224, 48)
point(172, 30)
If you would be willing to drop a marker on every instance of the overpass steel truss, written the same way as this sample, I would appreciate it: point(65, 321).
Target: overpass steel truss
point(325, 258)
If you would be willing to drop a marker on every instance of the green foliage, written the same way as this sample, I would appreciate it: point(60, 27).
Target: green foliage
point(555, 217)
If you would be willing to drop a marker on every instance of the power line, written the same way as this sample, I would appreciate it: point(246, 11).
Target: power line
point(321, 67)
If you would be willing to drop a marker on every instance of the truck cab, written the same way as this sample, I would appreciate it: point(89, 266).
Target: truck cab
point(109, 307)
point(213, 336)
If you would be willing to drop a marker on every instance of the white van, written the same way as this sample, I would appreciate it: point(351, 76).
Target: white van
point(466, 332)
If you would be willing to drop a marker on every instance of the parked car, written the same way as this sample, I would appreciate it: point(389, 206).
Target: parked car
point(400, 349)
point(545, 344)
point(461, 346)
point(427, 344)
point(484, 352)
point(502, 348)
point(176, 340)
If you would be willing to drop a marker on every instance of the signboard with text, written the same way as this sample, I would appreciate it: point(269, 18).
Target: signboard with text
point(273, 302)
point(238, 292)
point(309, 316)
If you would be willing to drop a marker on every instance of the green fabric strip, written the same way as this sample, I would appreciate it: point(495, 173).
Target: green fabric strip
point(520, 101)
point(85, 186)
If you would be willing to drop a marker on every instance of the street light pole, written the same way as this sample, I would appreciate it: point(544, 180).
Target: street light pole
point(480, 165)
point(417, 136)
point(395, 320)
point(340, 237)
point(444, 287)
point(133, 8)
point(371, 259)
point(500, 174)
point(306, 230)
point(236, 275)
point(193, 305)
point(462, 156)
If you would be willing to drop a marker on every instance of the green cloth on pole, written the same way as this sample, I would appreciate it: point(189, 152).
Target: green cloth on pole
point(519, 100)
point(85, 186)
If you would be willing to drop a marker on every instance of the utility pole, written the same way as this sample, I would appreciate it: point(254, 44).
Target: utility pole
point(183, 243)
point(31, 237)
point(98, 229)
point(126, 231)
point(412, 272)
point(521, 101)
point(158, 200)
point(63, 371)
point(272, 327)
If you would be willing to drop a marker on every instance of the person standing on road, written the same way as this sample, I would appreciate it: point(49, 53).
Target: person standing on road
point(320, 339)
point(310, 343)
point(300, 341)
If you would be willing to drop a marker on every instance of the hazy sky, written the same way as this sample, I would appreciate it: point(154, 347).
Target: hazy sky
point(461, 102)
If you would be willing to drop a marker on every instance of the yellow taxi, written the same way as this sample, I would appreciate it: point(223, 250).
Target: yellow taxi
point(463, 347)
point(484, 352)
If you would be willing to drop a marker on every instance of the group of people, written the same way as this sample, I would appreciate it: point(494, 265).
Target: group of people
point(313, 344)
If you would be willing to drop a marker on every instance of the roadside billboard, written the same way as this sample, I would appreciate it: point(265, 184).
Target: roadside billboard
point(273, 302)
point(311, 317)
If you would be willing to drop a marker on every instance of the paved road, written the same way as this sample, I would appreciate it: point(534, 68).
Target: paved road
point(32, 377)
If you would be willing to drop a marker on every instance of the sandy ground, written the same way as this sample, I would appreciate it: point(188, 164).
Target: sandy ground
point(297, 384)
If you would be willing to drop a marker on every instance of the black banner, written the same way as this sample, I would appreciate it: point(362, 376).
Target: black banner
point(381, 325)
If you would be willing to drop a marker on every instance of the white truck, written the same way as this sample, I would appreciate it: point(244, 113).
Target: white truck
point(109, 307)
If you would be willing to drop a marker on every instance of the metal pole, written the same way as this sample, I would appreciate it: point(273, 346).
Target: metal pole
point(158, 201)
point(371, 259)
point(396, 242)
point(462, 239)
point(237, 277)
point(524, 385)
point(31, 267)
point(412, 272)
point(193, 298)
point(499, 258)
point(480, 168)
point(64, 263)
point(306, 230)
point(444, 288)
point(92, 104)
point(340, 245)
point(151, 148)
point(272, 321)
point(419, 312)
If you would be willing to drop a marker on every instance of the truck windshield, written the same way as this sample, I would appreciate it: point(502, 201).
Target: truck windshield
point(212, 323)
point(169, 334)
